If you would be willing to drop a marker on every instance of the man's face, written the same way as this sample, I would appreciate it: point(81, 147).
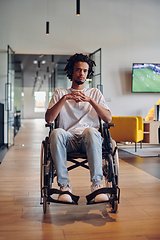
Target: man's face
point(80, 72)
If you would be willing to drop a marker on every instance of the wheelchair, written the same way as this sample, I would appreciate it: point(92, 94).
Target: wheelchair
point(110, 171)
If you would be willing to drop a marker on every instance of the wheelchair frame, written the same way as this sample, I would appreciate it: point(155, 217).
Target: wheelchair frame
point(110, 171)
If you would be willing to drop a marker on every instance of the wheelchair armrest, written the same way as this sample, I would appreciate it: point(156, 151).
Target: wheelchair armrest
point(108, 125)
point(50, 125)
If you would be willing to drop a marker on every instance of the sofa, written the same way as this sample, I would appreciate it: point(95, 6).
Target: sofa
point(127, 129)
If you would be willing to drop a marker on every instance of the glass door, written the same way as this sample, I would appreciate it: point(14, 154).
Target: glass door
point(96, 79)
point(9, 97)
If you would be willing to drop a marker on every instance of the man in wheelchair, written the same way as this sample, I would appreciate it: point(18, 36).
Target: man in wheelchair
point(77, 111)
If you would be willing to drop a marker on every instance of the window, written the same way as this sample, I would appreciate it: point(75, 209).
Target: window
point(39, 100)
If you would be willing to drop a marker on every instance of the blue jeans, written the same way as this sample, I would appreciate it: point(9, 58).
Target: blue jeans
point(90, 141)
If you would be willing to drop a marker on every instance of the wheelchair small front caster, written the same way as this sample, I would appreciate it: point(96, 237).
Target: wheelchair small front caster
point(114, 206)
point(44, 204)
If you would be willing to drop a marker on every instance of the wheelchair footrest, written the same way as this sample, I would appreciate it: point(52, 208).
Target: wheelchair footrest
point(92, 195)
point(57, 191)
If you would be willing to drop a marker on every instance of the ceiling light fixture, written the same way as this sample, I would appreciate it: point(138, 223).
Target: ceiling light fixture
point(39, 64)
point(47, 28)
point(43, 61)
point(78, 7)
point(52, 58)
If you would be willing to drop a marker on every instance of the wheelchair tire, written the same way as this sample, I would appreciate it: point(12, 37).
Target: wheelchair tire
point(43, 163)
point(115, 161)
point(41, 166)
point(44, 204)
point(42, 175)
point(114, 206)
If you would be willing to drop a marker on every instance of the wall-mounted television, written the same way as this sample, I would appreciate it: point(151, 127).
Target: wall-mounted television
point(146, 78)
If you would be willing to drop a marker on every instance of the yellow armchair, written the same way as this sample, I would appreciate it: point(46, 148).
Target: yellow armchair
point(127, 129)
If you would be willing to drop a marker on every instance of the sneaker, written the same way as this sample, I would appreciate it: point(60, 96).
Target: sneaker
point(65, 197)
point(100, 197)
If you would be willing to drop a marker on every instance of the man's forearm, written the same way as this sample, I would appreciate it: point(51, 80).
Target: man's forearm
point(102, 112)
point(52, 113)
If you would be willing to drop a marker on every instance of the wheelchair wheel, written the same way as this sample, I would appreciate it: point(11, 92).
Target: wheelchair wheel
point(109, 177)
point(41, 165)
point(116, 170)
point(115, 160)
point(42, 176)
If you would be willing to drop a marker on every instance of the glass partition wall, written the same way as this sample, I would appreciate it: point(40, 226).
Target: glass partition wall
point(9, 97)
point(58, 78)
point(96, 79)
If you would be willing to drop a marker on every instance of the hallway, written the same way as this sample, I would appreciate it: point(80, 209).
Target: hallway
point(21, 215)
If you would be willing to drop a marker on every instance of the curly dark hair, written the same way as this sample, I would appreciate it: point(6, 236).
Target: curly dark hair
point(79, 57)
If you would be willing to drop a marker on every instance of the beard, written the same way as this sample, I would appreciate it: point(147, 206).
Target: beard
point(79, 82)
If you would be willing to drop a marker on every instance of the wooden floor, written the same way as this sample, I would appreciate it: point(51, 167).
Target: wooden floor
point(21, 215)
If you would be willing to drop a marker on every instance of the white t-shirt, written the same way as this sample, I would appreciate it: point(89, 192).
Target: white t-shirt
point(75, 117)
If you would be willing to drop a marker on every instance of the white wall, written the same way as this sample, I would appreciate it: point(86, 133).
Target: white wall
point(126, 30)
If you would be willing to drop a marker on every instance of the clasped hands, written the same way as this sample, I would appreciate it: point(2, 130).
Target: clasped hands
point(78, 96)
